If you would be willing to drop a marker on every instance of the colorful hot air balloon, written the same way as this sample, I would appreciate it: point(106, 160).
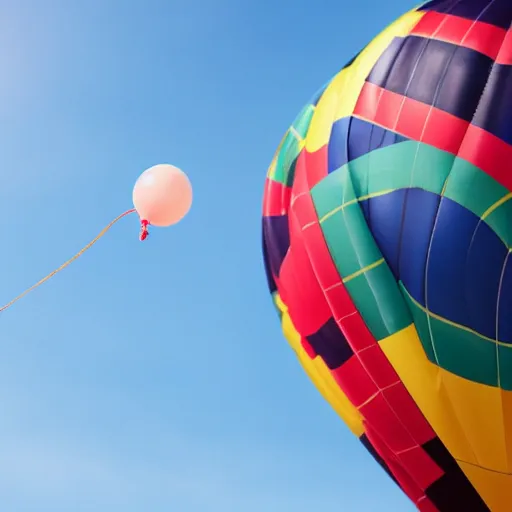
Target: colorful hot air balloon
point(387, 233)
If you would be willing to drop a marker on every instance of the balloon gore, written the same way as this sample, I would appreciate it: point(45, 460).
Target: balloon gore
point(162, 195)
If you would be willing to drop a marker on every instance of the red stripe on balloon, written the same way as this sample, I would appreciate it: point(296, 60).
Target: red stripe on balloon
point(356, 383)
point(276, 198)
point(300, 290)
point(407, 483)
point(367, 378)
point(475, 35)
point(505, 55)
point(316, 165)
point(343, 308)
point(417, 461)
point(419, 121)
point(425, 505)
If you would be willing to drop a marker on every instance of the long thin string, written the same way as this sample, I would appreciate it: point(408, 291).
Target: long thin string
point(64, 265)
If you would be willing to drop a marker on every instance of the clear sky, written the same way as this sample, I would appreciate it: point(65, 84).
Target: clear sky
point(154, 377)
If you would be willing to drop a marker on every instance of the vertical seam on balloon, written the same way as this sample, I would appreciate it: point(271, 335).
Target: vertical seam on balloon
point(437, 216)
point(436, 94)
point(484, 215)
point(349, 166)
point(497, 350)
point(415, 160)
point(425, 124)
point(393, 63)
point(507, 448)
point(394, 128)
point(355, 63)
point(500, 289)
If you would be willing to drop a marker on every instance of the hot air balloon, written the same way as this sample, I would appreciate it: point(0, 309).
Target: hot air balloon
point(387, 234)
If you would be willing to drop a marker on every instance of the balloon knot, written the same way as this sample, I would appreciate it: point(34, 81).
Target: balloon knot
point(144, 224)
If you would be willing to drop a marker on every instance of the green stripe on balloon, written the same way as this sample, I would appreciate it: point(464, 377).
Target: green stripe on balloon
point(358, 259)
point(333, 193)
point(421, 322)
point(505, 366)
point(491, 203)
point(350, 242)
point(446, 344)
point(303, 120)
point(465, 179)
point(500, 222)
point(402, 165)
point(411, 164)
point(377, 297)
point(284, 171)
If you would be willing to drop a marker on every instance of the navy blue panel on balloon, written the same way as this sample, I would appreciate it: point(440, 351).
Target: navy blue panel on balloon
point(494, 12)
point(484, 264)
point(420, 215)
point(384, 218)
point(352, 137)
point(495, 108)
point(465, 262)
point(277, 240)
point(449, 77)
point(392, 57)
point(460, 86)
point(268, 271)
point(331, 345)
point(401, 223)
point(447, 258)
point(337, 150)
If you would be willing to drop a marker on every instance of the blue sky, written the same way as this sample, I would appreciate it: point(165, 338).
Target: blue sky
point(154, 377)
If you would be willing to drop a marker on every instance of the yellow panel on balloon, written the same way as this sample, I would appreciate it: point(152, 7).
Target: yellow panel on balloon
point(320, 375)
point(473, 421)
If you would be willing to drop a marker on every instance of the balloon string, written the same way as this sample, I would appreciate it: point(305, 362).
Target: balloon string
point(67, 263)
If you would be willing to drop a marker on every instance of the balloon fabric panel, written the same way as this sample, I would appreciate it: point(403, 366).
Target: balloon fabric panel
point(387, 228)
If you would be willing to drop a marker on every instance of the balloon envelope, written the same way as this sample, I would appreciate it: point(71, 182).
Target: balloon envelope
point(162, 195)
point(387, 227)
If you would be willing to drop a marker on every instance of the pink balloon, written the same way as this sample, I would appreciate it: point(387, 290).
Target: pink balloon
point(162, 195)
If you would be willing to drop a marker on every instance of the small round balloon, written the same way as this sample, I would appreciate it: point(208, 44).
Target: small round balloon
point(162, 195)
